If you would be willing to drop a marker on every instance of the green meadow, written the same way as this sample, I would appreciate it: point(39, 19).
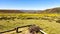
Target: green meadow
point(50, 23)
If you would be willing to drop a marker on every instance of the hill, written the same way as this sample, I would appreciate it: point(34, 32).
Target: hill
point(52, 10)
point(10, 11)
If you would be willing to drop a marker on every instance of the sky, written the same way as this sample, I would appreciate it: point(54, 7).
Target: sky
point(29, 4)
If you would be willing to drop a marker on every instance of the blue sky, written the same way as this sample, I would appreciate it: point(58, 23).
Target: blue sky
point(29, 4)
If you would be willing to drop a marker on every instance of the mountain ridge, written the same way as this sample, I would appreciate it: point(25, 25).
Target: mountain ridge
point(52, 10)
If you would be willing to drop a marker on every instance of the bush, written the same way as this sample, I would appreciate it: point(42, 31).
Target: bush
point(58, 21)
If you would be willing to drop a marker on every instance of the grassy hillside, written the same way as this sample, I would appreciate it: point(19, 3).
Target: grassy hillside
point(48, 22)
point(53, 10)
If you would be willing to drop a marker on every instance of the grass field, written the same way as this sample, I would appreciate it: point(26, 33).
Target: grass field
point(45, 21)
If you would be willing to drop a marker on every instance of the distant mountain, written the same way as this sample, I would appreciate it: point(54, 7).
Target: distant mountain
point(52, 10)
point(19, 11)
point(10, 11)
point(31, 11)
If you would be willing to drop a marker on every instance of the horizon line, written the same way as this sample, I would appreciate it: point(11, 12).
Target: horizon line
point(25, 9)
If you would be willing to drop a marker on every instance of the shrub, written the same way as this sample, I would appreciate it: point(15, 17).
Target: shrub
point(58, 21)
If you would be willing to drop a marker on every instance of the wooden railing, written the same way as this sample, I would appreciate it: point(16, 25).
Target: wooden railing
point(16, 29)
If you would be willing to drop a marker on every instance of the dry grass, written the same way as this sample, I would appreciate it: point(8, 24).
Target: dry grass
point(50, 27)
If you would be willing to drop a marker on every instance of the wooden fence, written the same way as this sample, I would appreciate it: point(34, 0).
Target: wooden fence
point(16, 29)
